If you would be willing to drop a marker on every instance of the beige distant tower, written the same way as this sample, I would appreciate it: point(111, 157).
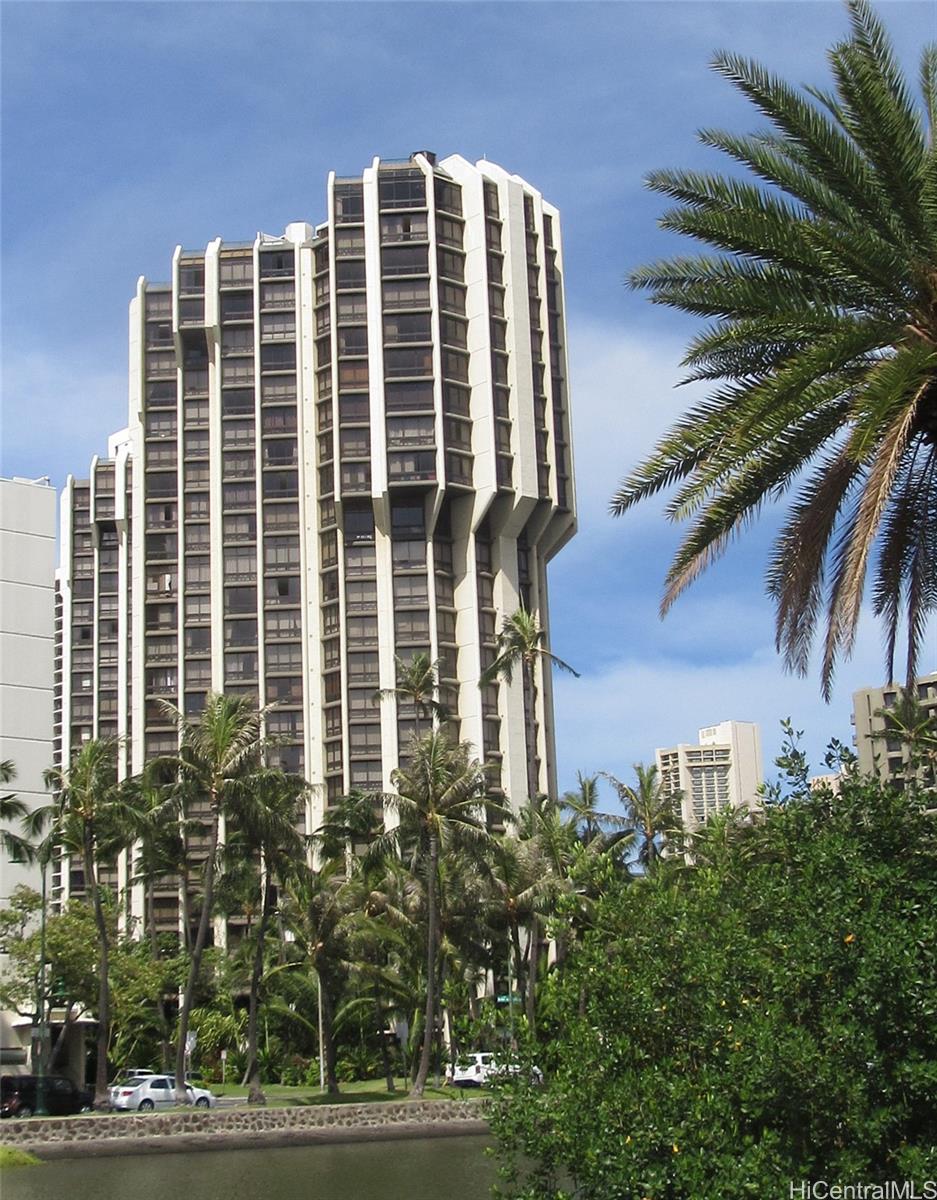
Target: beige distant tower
point(886, 756)
point(723, 770)
point(346, 445)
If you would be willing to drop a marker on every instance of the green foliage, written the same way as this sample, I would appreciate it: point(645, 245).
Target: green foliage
point(71, 955)
point(769, 1015)
point(12, 1156)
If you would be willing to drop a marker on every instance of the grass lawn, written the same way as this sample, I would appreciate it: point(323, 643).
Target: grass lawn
point(11, 1156)
point(362, 1091)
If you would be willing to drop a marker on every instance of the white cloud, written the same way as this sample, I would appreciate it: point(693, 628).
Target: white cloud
point(641, 699)
point(623, 398)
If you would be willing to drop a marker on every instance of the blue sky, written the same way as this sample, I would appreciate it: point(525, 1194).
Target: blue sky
point(131, 127)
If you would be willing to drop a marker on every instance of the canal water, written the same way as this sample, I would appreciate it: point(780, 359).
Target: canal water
point(417, 1169)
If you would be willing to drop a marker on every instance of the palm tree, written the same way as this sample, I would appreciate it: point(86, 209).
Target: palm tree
point(88, 818)
point(514, 874)
point(522, 643)
point(417, 684)
point(267, 841)
point(11, 809)
point(822, 352)
point(439, 799)
point(218, 764)
point(322, 909)
point(651, 811)
point(590, 821)
point(914, 728)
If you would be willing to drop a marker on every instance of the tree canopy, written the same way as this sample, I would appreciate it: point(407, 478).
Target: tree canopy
point(766, 1016)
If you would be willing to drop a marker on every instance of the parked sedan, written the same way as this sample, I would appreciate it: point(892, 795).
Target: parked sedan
point(156, 1091)
point(19, 1096)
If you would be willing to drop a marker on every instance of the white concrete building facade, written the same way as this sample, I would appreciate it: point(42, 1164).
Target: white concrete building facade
point(346, 445)
point(27, 568)
point(723, 770)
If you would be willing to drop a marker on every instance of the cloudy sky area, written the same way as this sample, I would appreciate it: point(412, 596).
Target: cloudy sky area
point(129, 128)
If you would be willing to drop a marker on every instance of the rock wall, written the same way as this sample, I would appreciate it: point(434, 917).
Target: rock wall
point(197, 1129)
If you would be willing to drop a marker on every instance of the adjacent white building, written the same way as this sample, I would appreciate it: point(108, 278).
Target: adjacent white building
point(27, 616)
point(722, 770)
point(347, 445)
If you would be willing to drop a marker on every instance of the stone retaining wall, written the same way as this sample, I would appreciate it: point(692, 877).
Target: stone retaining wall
point(211, 1129)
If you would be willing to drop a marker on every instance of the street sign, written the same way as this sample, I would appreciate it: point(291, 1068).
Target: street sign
point(224, 1055)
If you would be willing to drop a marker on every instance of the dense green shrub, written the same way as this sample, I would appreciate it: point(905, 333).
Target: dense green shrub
point(767, 1015)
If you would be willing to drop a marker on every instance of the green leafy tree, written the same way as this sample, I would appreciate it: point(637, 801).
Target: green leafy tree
point(89, 819)
point(765, 1016)
point(822, 352)
point(71, 955)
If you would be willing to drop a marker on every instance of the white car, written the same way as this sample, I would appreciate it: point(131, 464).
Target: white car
point(483, 1068)
point(471, 1070)
point(156, 1091)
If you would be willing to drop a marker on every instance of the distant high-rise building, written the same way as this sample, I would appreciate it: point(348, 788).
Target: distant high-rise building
point(27, 552)
point(346, 446)
point(881, 753)
point(722, 771)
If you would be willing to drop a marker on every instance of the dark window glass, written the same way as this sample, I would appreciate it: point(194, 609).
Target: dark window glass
point(403, 397)
point(405, 260)
point(350, 273)
point(407, 519)
point(407, 327)
point(358, 523)
point(278, 357)
point(410, 362)
point(191, 277)
point(276, 262)
point(448, 196)
point(237, 306)
point(451, 265)
point(402, 189)
point(349, 202)
point(407, 293)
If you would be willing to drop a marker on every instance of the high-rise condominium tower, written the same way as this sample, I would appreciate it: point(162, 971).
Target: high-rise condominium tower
point(722, 771)
point(346, 446)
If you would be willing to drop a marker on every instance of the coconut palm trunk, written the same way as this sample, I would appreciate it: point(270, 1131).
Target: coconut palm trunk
point(532, 971)
point(432, 920)
point(201, 939)
point(385, 1053)
point(520, 973)
point(255, 1094)
point(101, 1098)
point(330, 1051)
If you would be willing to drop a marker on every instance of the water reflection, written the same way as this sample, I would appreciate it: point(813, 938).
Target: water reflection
point(418, 1169)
